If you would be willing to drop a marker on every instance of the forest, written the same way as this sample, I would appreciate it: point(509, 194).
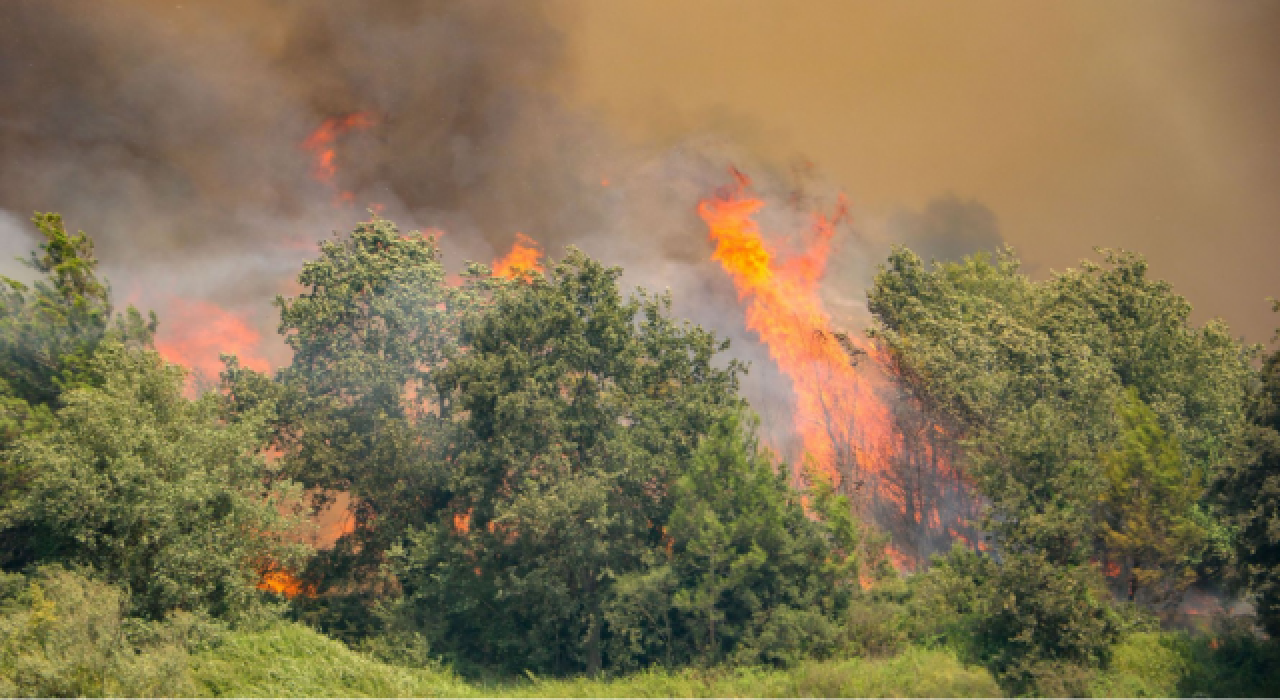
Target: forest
point(551, 485)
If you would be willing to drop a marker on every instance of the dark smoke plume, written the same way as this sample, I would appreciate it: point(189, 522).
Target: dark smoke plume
point(174, 129)
point(173, 133)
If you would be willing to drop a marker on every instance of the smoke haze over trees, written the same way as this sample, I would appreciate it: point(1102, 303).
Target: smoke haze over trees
point(529, 469)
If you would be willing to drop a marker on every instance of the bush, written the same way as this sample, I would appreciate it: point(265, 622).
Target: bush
point(1041, 629)
point(153, 491)
point(63, 634)
point(879, 622)
point(287, 659)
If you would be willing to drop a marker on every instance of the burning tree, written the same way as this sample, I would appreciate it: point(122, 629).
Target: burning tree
point(889, 456)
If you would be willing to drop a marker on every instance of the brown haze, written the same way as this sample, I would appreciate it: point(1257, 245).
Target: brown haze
point(173, 132)
point(1152, 126)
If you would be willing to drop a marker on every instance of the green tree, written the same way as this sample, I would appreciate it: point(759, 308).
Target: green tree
point(1152, 525)
point(574, 410)
point(984, 344)
point(357, 410)
point(1035, 375)
point(152, 490)
point(1250, 491)
point(48, 334)
point(761, 577)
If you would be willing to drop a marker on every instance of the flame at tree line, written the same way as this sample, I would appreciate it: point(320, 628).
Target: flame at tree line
point(893, 461)
point(878, 448)
point(524, 255)
point(196, 333)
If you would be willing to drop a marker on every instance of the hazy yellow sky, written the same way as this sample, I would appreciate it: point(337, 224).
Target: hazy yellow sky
point(1152, 126)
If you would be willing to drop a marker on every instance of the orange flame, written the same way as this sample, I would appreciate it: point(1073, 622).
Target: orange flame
point(523, 256)
point(462, 522)
point(844, 423)
point(196, 333)
point(901, 561)
point(283, 583)
point(784, 308)
point(322, 144)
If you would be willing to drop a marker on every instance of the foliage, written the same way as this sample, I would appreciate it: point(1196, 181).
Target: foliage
point(574, 410)
point(65, 635)
point(150, 489)
point(1228, 661)
point(357, 408)
point(1251, 494)
point(48, 334)
point(1040, 628)
point(1151, 521)
point(915, 673)
point(750, 575)
point(760, 579)
point(1046, 381)
point(290, 660)
point(545, 477)
point(287, 659)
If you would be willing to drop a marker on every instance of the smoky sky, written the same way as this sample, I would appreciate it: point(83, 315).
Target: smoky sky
point(175, 128)
point(1148, 125)
point(172, 132)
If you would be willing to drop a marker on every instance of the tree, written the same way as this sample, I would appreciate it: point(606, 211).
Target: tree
point(1152, 525)
point(1040, 380)
point(152, 490)
point(984, 345)
point(1250, 491)
point(357, 408)
point(48, 334)
point(761, 577)
point(573, 412)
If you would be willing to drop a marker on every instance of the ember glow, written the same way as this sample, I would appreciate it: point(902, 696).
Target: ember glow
point(283, 583)
point(322, 144)
point(524, 255)
point(196, 333)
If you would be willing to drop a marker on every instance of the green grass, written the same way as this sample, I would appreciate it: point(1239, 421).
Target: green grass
point(68, 640)
point(288, 659)
point(292, 660)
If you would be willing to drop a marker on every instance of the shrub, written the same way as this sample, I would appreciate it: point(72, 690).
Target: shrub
point(63, 634)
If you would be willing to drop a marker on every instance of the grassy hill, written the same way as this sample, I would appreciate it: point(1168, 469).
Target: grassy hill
point(291, 660)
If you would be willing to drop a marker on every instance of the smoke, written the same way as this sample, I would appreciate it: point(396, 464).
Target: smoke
point(14, 236)
point(946, 229)
point(172, 131)
point(173, 134)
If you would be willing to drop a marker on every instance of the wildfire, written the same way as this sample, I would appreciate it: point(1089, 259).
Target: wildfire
point(197, 333)
point(523, 256)
point(322, 144)
point(283, 583)
point(896, 465)
point(781, 291)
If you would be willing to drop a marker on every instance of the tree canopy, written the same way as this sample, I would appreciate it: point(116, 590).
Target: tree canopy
point(1093, 414)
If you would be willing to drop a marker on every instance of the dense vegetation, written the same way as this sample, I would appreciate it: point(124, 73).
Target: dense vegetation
point(557, 490)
